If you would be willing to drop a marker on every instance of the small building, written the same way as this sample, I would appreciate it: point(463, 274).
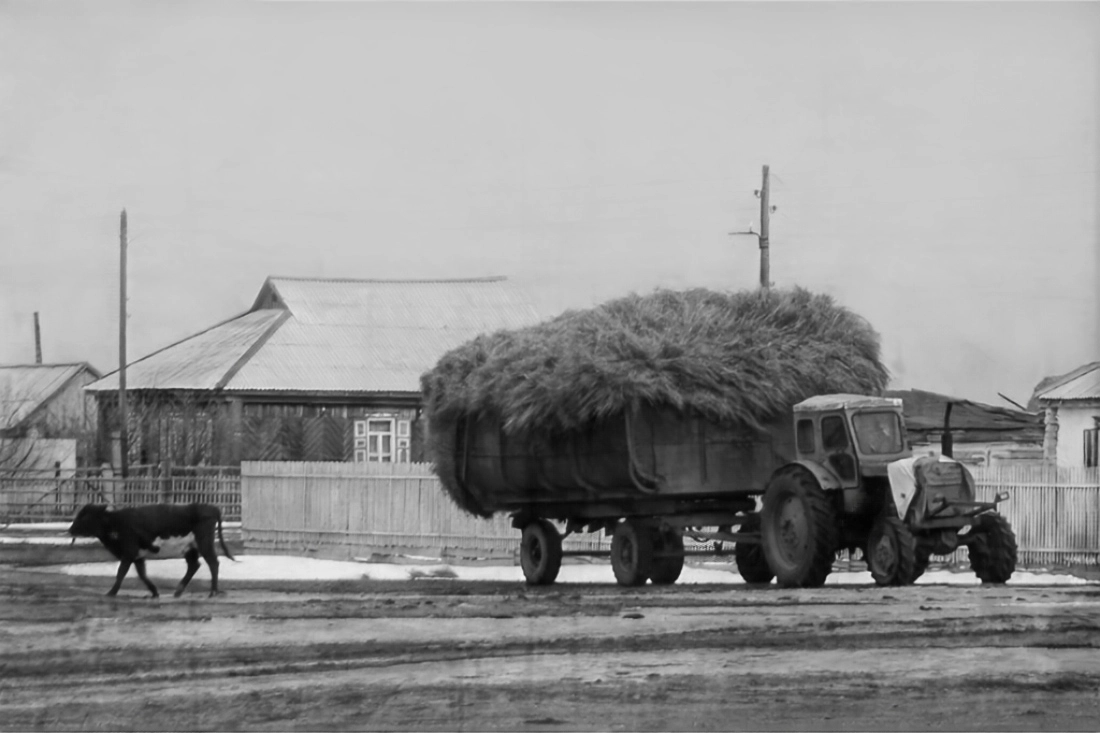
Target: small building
point(1071, 407)
point(982, 435)
point(46, 419)
point(315, 370)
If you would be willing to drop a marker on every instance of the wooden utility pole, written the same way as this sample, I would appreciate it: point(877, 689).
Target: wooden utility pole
point(37, 340)
point(765, 212)
point(123, 438)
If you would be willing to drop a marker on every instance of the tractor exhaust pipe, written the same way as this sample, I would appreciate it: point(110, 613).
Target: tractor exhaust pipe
point(947, 447)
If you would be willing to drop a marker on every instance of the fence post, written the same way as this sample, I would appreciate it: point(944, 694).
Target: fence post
point(165, 480)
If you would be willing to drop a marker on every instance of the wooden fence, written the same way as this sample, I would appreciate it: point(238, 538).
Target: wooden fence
point(344, 510)
point(32, 497)
point(347, 510)
point(1054, 512)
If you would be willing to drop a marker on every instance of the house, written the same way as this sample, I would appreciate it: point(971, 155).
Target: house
point(45, 417)
point(315, 370)
point(1071, 406)
point(981, 434)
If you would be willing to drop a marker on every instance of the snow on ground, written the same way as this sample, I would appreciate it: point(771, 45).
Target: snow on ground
point(281, 567)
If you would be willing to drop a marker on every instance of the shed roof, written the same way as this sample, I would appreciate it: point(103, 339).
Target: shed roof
point(1083, 383)
point(925, 411)
point(330, 335)
point(25, 387)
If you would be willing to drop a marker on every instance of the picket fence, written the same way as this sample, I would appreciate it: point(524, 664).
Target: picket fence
point(34, 497)
point(343, 510)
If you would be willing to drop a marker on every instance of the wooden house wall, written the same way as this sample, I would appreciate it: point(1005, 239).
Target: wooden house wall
point(224, 433)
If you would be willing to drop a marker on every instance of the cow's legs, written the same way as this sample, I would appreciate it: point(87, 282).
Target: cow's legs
point(206, 547)
point(192, 558)
point(123, 568)
point(140, 565)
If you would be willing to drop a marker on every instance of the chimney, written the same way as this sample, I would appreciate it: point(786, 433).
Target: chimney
point(37, 340)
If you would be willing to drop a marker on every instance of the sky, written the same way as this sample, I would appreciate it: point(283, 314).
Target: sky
point(934, 166)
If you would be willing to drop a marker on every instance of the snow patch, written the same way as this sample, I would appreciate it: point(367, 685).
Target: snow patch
point(283, 567)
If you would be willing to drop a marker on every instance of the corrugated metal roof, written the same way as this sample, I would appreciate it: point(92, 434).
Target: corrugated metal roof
point(338, 336)
point(198, 362)
point(1085, 386)
point(26, 386)
point(375, 335)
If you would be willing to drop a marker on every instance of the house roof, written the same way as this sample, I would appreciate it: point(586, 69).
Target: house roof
point(327, 335)
point(25, 387)
point(1083, 383)
point(924, 413)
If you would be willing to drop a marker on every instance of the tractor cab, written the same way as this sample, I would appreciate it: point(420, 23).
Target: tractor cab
point(853, 436)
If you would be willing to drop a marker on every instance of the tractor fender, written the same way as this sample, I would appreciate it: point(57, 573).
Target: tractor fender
point(826, 479)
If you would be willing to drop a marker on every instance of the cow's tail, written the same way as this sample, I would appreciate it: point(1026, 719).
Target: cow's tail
point(221, 539)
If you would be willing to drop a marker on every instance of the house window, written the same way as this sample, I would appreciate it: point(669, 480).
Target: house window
point(1092, 444)
point(381, 439)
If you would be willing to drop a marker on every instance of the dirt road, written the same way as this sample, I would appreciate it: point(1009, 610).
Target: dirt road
point(438, 654)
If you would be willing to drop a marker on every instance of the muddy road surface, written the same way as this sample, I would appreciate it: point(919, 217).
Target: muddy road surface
point(443, 654)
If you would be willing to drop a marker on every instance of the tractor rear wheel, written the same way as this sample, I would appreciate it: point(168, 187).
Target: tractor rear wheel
point(799, 530)
point(891, 552)
point(632, 552)
point(992, 549)
point(666, 570)
point(749, 556)
point(540, 552)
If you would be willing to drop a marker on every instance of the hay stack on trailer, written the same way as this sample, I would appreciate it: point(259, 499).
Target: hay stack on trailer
point(529, 419)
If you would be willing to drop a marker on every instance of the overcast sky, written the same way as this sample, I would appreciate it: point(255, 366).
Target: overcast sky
point(935, 165)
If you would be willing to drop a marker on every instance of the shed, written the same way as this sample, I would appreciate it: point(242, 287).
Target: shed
point(44, 414)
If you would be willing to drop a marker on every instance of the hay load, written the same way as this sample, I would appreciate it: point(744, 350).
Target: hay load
point(733, 358)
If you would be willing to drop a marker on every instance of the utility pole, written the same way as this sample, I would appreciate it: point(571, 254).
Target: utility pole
point(765, 255)
point(766, 210)
point(37, 340)
point(123, 438)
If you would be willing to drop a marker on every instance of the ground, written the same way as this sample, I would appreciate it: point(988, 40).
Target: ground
point(456, 654)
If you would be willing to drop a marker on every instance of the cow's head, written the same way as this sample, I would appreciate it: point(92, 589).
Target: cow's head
point(91, 521)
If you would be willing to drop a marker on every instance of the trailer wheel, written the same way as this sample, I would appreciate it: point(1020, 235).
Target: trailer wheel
point(540, 552)
point(632, 552)
point(666, 570)
point(799, 530)
point(992, 549)
point(891, 552)
point(749, 556)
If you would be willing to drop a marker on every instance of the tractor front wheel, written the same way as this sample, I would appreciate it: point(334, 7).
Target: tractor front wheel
point(892, 552)
point(799, 530)
point(992, 549)
point(540, 552)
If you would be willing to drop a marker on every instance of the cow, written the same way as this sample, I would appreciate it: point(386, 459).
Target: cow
point(130, 535)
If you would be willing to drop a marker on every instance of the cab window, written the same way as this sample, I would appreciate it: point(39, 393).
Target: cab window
point(833, 434)
point(805, 431)
point(878, 432)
